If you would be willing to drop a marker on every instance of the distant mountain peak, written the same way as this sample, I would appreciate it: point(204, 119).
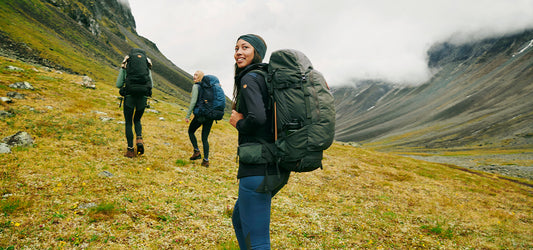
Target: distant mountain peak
point(481, 94)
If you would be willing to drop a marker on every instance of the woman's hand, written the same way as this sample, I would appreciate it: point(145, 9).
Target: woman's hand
point(235, 117)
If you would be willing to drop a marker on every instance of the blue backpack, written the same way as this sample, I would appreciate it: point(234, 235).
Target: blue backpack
point(211, 99)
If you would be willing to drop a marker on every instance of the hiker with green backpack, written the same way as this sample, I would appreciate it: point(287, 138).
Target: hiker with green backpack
point(135, 84)
point(285, 115)
point(253, 121)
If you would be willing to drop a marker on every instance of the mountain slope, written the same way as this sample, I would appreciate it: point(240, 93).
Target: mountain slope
point(84, 37)
point(481, 96)
point(74, 189)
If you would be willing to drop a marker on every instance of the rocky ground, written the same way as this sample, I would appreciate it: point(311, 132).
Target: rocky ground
point(499, 164)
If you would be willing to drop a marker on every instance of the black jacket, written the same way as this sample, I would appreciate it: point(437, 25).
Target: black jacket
point(257, 126)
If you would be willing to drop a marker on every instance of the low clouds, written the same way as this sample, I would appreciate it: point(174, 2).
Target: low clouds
point(344, 39)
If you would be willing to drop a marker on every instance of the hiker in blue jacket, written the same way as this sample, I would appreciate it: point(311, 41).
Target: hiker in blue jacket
point(253, 119)
point(198, 121)
point(135, 83)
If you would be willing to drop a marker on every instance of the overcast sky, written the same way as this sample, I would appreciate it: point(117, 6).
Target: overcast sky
point(345, 39)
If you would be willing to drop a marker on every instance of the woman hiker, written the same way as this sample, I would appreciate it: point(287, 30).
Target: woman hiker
point(135, 83)
point(198, 121)
point(254, 123)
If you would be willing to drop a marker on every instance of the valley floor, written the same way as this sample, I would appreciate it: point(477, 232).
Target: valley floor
point(503, 164)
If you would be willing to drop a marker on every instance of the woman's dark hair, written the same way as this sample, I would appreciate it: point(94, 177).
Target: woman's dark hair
point(257, 59)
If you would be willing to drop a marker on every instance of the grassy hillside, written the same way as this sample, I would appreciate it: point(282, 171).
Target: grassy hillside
point(55, 194)
point(46, 34)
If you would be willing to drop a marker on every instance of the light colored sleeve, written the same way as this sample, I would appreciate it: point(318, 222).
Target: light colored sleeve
point(151, 79)
point(150, 72)
point(194, 98)
point(121, 78)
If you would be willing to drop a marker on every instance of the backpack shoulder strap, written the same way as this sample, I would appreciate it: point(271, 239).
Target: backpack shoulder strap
point(259, 72)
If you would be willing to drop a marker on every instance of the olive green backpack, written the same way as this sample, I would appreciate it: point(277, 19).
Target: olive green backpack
point(303, 108)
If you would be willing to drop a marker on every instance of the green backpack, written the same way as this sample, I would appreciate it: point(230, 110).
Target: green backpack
point(304, 111)
point(138, 74)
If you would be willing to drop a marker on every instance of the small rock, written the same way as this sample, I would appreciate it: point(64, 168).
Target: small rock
point(19, 139)
point(152, 111)
point(4, 148)
point(5, 114)
point(28, 107)
point(16, 95)
point(21, 85)
point(87, 205)
point(87, 82)
point(13, 68)
point(6, 99)
point(105, 174)
point(106, 119)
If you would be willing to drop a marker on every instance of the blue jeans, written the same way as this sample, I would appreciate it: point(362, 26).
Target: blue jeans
point(251, 214)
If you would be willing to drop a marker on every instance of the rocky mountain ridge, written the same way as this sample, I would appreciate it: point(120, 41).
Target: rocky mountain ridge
point(481, 95)
point(85, 37)
point(90, 13)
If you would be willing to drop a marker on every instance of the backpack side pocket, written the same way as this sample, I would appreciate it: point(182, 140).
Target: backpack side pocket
point(256, 153)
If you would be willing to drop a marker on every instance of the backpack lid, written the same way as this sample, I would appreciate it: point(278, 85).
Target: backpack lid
point(209, 80)
point(135, 51)
point(290, 58)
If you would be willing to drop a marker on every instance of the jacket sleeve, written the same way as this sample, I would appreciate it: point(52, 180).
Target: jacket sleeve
point(121, 78)
point(194, 98)
point(253, 99)
point(151, 79)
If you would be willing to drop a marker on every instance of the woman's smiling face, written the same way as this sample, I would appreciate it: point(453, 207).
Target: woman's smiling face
point(244, 53)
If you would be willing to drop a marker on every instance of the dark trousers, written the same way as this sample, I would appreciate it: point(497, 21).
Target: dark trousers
point(206, 129)
point(251, 214)
point(133, 112)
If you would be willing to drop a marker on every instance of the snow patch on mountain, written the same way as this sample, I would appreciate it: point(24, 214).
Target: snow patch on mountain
point(524, 49)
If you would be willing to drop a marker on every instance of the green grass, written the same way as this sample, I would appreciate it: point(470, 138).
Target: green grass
point(439, 229)
point(45, 33)
point(11, 205)
point(361, 199)
point(103, 211)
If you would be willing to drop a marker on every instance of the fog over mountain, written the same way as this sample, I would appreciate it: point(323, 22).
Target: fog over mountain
point(480, 96)
point(345, 39)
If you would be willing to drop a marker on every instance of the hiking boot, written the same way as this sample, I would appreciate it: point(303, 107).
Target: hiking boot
point(196, 155)
point(140, 145)
point(130, 153)
point(205, 163)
